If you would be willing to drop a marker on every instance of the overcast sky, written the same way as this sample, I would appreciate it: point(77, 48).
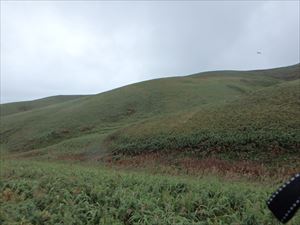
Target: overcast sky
point(53, 48)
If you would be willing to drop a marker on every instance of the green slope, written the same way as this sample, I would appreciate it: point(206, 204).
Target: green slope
point(143, 116)
point(252, 126)
point(17, 107)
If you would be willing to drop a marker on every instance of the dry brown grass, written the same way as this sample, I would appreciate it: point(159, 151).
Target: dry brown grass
point(158, 162)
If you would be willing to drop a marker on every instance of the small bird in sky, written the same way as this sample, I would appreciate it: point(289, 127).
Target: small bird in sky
point(258, 52)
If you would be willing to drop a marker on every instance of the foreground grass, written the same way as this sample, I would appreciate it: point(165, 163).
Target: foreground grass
point(56, 193)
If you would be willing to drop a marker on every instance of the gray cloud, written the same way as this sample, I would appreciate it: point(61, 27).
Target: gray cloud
point(51, 48)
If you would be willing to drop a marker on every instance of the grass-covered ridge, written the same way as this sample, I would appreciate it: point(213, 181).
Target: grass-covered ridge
point(239, 111)
point(48, 193)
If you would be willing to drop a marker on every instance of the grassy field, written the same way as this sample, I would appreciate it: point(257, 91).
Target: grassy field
point(203, 149)
point(57, 193)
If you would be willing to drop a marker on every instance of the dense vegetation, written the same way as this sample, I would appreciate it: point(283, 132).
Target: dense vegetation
point(48, 193)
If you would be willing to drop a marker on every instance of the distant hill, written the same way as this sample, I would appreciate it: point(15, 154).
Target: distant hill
point(17, 107)
point(238, 113)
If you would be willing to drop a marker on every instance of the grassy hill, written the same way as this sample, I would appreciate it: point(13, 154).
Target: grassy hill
point(254, 125)
point(236, 113)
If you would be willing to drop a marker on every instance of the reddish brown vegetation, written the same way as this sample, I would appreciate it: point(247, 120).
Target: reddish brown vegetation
point(178, 164)
point(9, 195)
point(199, 167)
point(87, 128)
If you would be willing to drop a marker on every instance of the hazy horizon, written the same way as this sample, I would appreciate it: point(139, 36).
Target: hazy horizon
point(130, 84)
point(69, 48)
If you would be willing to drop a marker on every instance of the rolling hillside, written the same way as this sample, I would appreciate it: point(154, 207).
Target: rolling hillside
point(228, 112)
point(254, 125)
